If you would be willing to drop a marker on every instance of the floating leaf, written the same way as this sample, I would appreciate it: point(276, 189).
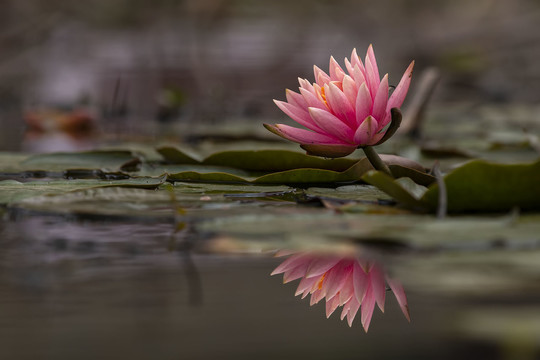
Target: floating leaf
point(174, 155)
point(483, 186)
point(106, 160)
point(275, 160)
point(13, 191)
point(219, 177)
point(475, 186)
point(302, 176)
point(403, 191)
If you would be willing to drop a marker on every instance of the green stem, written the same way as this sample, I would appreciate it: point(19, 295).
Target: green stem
point(376, 161)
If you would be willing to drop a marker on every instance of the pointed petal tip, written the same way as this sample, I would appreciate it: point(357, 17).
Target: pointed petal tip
point(407, 313)
point(410, 68)
point(271, 128)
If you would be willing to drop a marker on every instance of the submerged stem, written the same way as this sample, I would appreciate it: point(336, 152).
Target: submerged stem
point(376, 161)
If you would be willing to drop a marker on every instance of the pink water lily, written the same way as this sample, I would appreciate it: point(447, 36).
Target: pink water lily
point(343, 110)
point(348, 282)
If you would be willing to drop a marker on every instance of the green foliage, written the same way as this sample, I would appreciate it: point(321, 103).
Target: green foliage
point(476, 186)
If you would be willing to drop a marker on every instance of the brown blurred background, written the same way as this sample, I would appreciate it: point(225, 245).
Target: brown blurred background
point(144, 63)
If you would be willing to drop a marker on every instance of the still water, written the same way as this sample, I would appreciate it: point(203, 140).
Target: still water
point(91, 288)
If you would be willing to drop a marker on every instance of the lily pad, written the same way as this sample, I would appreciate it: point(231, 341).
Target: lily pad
point(13, 191)
point(483, 186)
point(476, 186)
point(104, 160)
point(304, 176)
point(174, 155)
point(276, 160)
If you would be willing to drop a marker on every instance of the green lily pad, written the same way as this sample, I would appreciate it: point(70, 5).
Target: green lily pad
point(257, 160)
point(300, 175)
point(483, 186)
point(476, 186)
point(105, 160)
point(275, 160)
point(217, 177)
point(399, 189)
point(174, 155)
point(12, 191)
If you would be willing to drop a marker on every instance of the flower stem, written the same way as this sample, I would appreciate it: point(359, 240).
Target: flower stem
point(376, 160)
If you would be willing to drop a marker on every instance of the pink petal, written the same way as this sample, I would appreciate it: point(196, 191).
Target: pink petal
point(401, 298)
point(358, 76)
point(372, 79)
point(321, 264)
point(350, 89)
point(397, 97)
point(336, 72)
point(284, 252)
point(348, 66)
point(336, 278)
point(306, 284)
point(332, 125)
point(381, 99)
point(296, 99)
point(296, 273)
point(366, 131)
point(316, 297)
point(304, 84)
point(368, 305)
point(360, 281)
point(299, 115)
point(385, 120)
point(291, 263)
point(355, 61)
point(354, 306)
point(340, 105)
point(376, 138)
point(345, 311)
point(331, 306)
point(321, 78)
point(312, 100)
point(363, 104)
point(347, 291)
point(302, 136)
point(371, 56)
point(318, 93)
point(378, 285)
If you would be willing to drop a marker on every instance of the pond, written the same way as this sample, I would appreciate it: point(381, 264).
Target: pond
point(147, 251)
point(88, 288)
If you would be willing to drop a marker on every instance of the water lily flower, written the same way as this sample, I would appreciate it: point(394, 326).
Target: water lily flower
point(348, 282)
point(343, 110)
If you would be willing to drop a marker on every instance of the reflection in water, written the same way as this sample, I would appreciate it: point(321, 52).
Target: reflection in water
point(343, 281)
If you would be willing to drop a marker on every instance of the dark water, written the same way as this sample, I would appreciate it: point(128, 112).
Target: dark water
point(93, 289)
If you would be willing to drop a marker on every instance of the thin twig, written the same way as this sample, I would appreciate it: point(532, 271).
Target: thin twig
point(414, 115)
point(442, 204)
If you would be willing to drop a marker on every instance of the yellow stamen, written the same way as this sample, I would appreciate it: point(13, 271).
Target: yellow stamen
point(319, 285)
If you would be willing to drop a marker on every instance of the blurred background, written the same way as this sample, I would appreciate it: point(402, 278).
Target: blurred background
point(79, 280)
point(133, 68)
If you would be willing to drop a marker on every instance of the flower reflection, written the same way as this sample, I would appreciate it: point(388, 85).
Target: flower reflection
point(349, 282)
